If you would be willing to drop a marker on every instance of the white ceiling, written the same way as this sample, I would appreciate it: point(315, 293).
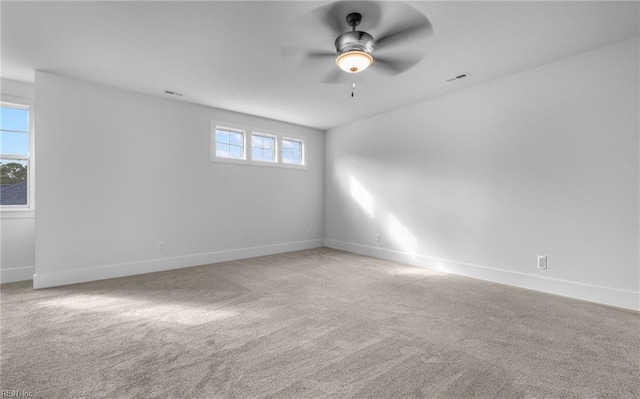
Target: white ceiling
point(229, 54)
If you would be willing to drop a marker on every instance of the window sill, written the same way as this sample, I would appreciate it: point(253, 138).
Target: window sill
point(268, 164)
point(17, 213)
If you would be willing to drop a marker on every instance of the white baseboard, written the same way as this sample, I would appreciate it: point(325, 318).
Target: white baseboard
point(17, 274)
point(587, 292)
point(73, 276)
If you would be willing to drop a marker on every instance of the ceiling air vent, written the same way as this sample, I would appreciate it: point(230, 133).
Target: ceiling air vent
point(173, 93)
point(458, 77)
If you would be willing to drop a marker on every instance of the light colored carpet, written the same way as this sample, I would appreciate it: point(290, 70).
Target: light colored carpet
point(309, 324)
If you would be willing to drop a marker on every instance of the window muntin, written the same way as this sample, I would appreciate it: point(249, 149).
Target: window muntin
point(14, 155)
point(229, 143)
point(263, 147)
point(292, 151)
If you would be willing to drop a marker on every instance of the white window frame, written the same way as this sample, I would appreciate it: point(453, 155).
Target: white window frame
point(214, 143)
point(28, 210)
point(276, 142)
point(249, 131)
point(303, 147)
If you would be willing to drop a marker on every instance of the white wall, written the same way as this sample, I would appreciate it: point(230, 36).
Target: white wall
point(119, 172)
point(481, 181)
point(17, 228)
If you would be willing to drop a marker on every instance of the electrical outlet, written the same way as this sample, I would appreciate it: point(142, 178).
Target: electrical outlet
point(160, 246)
point(542, 262)
point(377, 237)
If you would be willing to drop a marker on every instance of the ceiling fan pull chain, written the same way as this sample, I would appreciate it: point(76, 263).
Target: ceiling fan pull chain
point(353, 87)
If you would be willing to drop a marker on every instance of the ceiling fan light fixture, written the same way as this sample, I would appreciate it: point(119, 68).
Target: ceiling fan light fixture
point(354, 61)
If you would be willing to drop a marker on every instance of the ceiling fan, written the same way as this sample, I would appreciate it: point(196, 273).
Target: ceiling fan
point(357, 50)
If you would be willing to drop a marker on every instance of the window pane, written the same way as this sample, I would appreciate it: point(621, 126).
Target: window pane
point(256, 141)
point(267, 142)
point(286, 144)
point(14, 119)
point(295, 158)
point(236, 151)
point(295, 146)
point(267, 155)
point(222, 151)
point(256, 154)
point(236, 138)
point(13, 182)
point(14, 143)
point(222, 136)
point(286, 157)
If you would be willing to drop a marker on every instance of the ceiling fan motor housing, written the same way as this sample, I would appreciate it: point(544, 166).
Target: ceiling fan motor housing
point(354, 41)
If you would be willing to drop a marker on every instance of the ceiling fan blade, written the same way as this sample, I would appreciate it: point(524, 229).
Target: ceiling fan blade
point(299, 52)
point(330, 16)
point(395, 66)
point(334, 15)
point(320, 54)
point(421, 26)
point(334, 76)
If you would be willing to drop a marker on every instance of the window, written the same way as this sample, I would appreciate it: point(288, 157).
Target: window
point(238, 144)
point(292, 151)
point(229, 143)
point(14, 155)
point(263, 148)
